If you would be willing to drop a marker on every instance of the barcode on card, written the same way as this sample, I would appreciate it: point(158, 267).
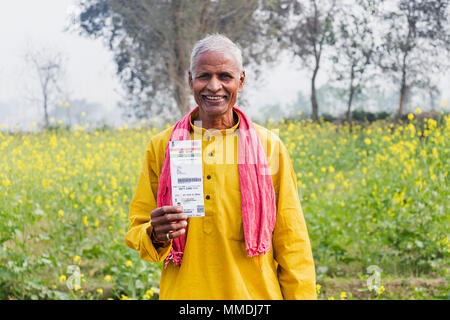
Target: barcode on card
point(189, 180)
point(200, 209)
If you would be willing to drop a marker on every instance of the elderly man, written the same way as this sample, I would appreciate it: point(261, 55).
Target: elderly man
point(252, 241)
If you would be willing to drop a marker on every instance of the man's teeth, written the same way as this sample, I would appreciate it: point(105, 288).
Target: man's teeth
point(213, 97)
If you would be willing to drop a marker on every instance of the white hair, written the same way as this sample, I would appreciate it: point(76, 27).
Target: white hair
point(218, 43)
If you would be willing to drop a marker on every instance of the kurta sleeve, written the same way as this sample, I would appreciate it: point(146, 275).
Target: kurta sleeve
point(142, 204)
point(292, 248)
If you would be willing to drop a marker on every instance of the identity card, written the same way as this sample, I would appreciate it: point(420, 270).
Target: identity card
point(187, 176)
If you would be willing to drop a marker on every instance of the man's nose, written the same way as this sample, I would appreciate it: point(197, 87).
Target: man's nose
point(214, 84)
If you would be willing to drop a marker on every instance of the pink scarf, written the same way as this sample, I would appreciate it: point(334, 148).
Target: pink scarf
point(257, 192)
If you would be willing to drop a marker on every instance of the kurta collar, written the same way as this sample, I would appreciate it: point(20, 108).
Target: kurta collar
point(202, 131)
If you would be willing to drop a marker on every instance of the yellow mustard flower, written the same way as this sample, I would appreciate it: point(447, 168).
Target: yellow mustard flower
point(150, 292)
point(62, 278)
point(77, 259)
point(380, 290)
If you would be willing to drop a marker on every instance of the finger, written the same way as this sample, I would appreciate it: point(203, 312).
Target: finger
point(162, 237)
point(170, 234)
point(173, 217)
point(160, 230)
point(165, 209)
point(167, 219)
point(173, 226)
point(177, 234)
point(172, 209)
point(158, 212)
point(157, 221)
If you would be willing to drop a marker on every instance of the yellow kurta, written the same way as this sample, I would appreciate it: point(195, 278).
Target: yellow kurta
point(215, 263)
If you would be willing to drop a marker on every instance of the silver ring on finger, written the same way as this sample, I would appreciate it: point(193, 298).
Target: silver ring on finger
point(168, 236)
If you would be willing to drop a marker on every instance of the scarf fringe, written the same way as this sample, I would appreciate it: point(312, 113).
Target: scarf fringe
point(176, 258)
point(256, 252)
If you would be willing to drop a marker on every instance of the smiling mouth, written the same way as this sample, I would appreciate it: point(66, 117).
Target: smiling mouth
point(213, 98)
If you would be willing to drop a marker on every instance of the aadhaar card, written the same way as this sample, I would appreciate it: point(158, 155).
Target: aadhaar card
point(187, 176)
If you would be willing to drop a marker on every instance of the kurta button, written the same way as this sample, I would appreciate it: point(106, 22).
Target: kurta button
point(210, 154)
point(207, 197)
point(208, 177)
point(208, 138)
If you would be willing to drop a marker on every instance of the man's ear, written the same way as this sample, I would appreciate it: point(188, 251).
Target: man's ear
point(241, 81)
point(191, 84)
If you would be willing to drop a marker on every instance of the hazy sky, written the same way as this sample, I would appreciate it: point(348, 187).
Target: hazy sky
point(90, 70)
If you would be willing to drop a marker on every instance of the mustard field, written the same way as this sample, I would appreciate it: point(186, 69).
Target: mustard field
point(373, 195)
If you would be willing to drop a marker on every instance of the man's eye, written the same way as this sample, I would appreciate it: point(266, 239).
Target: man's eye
point(226, 76)
point(203, 76)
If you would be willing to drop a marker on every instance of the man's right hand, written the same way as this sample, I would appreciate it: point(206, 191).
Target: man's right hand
point(168, 222)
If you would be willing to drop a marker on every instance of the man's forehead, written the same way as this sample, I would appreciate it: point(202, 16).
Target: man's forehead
point(216, 60)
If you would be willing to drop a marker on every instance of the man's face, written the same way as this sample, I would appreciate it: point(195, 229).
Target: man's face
point(216, 82)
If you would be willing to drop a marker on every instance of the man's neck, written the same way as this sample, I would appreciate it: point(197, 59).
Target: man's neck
point(222, 122)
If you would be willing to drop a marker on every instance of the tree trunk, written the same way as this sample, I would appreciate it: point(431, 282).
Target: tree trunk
point(182, 97)
point(45, 111)
point(402, 90)
point(351, 93)
point(402, 99)
point(403, 84)
point(181, 92)
point(314, 104)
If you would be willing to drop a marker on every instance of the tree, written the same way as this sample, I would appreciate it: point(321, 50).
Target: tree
point(48, 68)
point(416, 39)
point(152, 41)
point(354, 49)
point(308, 32)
